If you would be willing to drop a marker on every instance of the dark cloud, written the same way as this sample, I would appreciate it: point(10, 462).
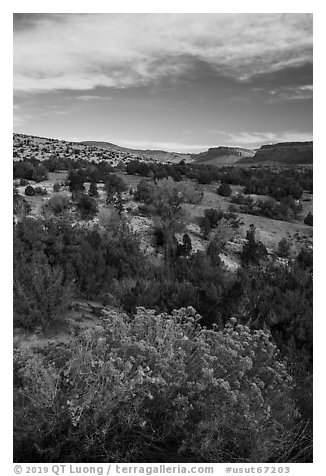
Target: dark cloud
point(27, 21)
point(287, 77)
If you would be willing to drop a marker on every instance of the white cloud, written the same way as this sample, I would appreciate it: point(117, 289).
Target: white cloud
point(120, 50)
point(87, 98)
point(256, 139)
point(180, 147)
point(291, 94)
point(158, 145)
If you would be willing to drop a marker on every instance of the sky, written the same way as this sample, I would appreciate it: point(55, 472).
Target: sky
point(179, 82)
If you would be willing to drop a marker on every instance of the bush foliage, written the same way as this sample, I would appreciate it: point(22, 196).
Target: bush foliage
point(154, 388)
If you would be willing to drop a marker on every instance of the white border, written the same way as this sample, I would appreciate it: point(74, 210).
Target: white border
point(140, 6)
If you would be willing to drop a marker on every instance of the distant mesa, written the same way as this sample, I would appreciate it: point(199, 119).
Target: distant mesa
point(284, 153)
point(223, 155)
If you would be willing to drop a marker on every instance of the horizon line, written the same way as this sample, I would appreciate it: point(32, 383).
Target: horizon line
point(205, 147)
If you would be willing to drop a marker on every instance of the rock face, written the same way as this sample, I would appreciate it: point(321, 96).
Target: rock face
point(223, 155)
point(284, 153)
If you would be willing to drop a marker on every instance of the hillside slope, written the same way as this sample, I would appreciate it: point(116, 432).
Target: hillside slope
point(156, 155)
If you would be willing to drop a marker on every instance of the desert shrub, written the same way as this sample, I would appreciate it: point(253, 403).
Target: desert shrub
point(118, 203)
point(57, 204)
point(305, 258)
point(56, 187)
point(224, 190)
point(29, 191)
point(154, 388)
point(253, 251)
point(23, 182)
point(132, 167)
point(232, 208)
point(167, 195)
point(120, 166)
point(75, 181)
point(159, 236)
point(203, 176)
point(145, 192)
point(40, 173)
point(225, 232)
point(87, 207)
point(232, 219)
point(213, 251)
point(309, 219)
point(241, 199)
point(20, 204)
point(40, 190)
point(146, 210)
point(294, 206)
point(283, 248)
point(93, 192)
point(205, 226)
point(188, 191)
point(213, 215)
point(113, 184)
point(186, 246)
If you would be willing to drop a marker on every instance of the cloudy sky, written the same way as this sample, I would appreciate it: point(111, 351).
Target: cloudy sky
point(182, 82)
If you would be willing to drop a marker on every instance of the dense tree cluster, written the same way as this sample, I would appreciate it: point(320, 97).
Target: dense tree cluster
point(287, 182)
point(275, 182)
point(287, 209)
point(154, 170)
point(30, 170)
point(91, 258)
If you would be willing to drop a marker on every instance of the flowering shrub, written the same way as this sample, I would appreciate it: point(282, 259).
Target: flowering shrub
point(154, 388)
